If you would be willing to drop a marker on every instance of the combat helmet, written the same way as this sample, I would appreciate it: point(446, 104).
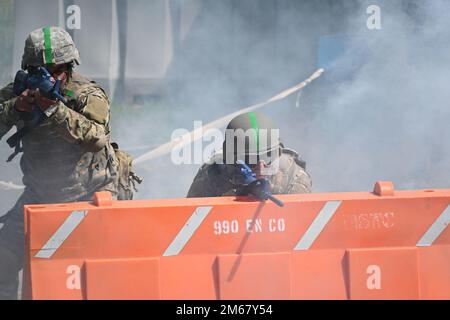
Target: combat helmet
point(49, 45)
point(251, 137)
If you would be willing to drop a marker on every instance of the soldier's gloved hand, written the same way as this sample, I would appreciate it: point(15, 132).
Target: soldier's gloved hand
point(260, 189)
point(43, 102)
point(25, 102)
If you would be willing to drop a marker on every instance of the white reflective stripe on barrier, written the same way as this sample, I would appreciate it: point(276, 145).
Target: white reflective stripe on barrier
point(318, 225)
point(436, 229)
point(187, 231)
point(63, 232)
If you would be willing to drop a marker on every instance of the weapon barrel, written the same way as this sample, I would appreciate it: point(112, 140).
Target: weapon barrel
point(276, 201)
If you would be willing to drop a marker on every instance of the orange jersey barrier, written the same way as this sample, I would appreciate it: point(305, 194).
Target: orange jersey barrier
point(382, 245)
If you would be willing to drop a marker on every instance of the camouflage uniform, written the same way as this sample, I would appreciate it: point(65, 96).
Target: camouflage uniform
point(215, 179)
point(66, 158)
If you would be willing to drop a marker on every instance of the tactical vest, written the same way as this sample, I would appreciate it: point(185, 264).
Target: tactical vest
point(56, 170)
point(214, 179)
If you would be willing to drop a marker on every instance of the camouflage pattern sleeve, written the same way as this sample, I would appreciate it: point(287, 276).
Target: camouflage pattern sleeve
point(301, 182)
point(8, 114)
point(212, 180)
point(203, 184)
point(199, 185)
point(90, 126)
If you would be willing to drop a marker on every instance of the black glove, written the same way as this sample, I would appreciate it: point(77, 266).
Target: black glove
point(260, 189)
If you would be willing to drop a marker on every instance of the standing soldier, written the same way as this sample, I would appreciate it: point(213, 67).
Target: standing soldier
point(263, 153)
point(67, 155)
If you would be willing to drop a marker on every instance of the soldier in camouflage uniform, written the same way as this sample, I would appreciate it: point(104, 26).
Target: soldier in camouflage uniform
point(264, 153)
point(68, 156)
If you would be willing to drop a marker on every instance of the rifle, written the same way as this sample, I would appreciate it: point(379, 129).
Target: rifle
point(37, 78)
point(247, 183)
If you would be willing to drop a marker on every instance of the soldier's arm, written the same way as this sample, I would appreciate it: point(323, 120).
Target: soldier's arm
point(202, 186)
point(301, 182)
point(88, 127)
point(8, 114)
point(198, 186)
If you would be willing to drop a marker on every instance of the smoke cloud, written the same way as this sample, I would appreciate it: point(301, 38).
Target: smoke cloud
point(379, 112)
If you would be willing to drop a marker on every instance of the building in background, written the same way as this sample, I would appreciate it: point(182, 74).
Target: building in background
point(132, 47)
point(6, 41)
point(142, 48)
point(126, 45)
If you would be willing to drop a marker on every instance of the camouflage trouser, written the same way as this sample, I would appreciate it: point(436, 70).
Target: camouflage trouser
point(12, 248)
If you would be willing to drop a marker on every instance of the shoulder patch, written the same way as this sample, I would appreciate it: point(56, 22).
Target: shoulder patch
point(81, 86)
point(97, 109)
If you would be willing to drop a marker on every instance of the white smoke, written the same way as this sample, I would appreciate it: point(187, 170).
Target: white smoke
point(379, 112)
point(389, 121)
